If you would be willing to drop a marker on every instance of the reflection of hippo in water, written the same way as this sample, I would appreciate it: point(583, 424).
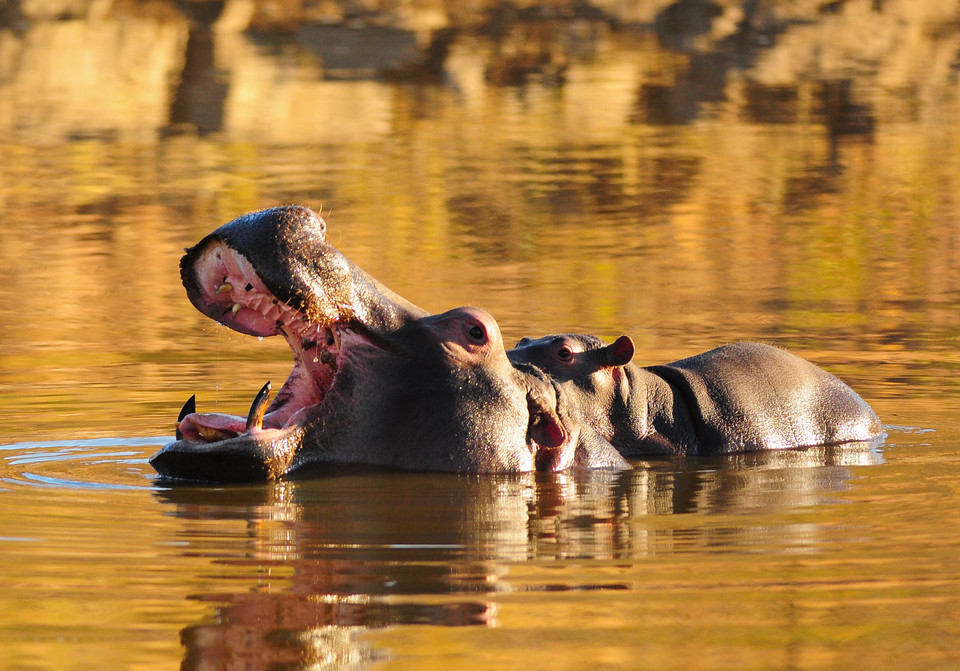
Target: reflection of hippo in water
point(375, 379)
point(735, 398)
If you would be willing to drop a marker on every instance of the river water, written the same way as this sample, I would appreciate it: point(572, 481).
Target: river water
point(688, 187)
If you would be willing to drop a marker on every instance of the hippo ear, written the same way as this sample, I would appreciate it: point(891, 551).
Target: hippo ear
point(619, 353)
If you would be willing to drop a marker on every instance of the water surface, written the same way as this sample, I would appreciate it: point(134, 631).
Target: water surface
point(688, 187)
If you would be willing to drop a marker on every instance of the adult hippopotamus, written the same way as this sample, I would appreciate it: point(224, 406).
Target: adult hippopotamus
point(735, 398)
point(376, 380)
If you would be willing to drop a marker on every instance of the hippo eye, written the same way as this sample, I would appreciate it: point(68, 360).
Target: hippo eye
point(476, 333)
point(564, 353)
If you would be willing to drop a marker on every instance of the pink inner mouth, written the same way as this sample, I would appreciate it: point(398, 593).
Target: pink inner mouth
point(230, 287)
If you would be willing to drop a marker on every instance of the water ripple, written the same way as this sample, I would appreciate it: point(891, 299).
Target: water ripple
point(93, 463)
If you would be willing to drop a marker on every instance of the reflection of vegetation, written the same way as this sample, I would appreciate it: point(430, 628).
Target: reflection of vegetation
point(766, 175)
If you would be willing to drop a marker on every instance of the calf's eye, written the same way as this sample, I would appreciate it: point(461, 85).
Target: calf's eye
point(564, 353)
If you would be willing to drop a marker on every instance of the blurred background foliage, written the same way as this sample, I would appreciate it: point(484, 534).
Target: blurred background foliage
point(689, 172)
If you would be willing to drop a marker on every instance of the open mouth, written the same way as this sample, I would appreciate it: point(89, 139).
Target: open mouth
point(226, 287)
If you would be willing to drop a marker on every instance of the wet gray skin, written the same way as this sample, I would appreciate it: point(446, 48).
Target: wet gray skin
point(735, 398)
point(376, 380)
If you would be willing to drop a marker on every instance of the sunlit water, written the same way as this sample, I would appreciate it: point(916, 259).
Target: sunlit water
point(646, 193)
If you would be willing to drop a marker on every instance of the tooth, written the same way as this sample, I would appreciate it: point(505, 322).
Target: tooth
point(235, 308)
point(224, 288)
point(258, 408)
point(188, 408)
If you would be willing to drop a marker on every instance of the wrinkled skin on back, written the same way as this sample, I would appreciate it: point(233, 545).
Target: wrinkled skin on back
point(376, 380)
point(735, 398)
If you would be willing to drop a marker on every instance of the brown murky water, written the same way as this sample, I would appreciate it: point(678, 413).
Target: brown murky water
point(688, 184)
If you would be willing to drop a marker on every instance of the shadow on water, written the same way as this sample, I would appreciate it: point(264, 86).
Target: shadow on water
point(355, 551)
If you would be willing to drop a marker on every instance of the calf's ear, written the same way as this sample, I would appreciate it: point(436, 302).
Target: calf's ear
point(619, 353)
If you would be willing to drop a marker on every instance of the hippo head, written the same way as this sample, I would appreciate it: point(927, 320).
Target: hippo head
point(589, 371)
point(375, 380)
point(573, 357)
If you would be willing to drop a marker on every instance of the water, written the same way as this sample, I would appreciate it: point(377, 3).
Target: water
point(687, 188)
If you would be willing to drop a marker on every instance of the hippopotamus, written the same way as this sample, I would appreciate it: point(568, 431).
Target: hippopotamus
point(739, 397)
point(376, 380)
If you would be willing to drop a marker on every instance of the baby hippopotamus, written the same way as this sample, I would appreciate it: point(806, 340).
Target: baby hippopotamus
point(735, 398)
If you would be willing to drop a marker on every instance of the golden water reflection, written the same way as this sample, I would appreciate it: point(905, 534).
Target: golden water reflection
point(322, 583)
point(778, 204)
point(785, 172)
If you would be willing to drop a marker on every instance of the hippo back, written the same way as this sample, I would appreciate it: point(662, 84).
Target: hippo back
point(750, 396)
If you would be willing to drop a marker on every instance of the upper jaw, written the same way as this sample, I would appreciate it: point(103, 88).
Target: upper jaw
point(260, 252)
point(283, 252)
point(222, 284)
